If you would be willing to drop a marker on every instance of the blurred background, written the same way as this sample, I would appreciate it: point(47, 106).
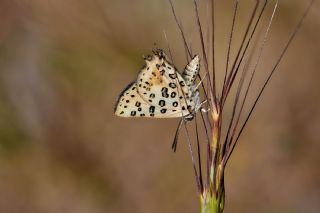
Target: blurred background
point(64, 62)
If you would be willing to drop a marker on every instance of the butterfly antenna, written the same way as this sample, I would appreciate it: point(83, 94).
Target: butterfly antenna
point(168, 45)
point(180, 28)
point(176, 136)
point(187, 48)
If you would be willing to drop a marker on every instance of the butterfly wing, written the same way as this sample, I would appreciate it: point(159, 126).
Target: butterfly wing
point(131, 104)
point(161, 85)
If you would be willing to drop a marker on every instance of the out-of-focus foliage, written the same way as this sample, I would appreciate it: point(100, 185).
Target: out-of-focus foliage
point(62, 65)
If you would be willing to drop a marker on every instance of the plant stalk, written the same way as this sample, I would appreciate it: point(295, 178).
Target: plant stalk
point(211, 203)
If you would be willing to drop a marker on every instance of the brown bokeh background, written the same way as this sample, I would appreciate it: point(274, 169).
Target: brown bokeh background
point(62, 65)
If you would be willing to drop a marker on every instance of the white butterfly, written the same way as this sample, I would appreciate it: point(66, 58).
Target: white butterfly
point(160, 91)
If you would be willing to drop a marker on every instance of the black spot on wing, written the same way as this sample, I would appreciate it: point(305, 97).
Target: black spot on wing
point(173, 76)
point(121, 94)
point(152, 95)
point(162, 103)
point(182, 83)
point(163, 111)
point(164, 92)
point(152, 109)
point(138, 104)
point(172, 85)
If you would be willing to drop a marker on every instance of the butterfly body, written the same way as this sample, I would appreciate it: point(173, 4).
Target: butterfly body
point(160, 91)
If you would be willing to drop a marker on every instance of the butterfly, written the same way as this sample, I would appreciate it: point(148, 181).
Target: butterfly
point(160, 91)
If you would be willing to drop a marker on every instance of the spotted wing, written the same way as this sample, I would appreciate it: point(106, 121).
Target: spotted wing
point(161, 85)
point(130, 104)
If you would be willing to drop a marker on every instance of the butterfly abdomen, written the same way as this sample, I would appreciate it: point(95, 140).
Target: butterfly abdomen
point(191, 71)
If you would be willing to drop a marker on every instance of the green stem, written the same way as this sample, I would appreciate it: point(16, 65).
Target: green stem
point(212, 204)
point(208, 205)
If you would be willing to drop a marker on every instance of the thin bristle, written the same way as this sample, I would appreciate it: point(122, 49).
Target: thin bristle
point(293, 35)
point(230, 40)
point(235, 68)
point(203, 48)
point(161, 91)
point(213, 54)
point(228, 141)
point(180, 28)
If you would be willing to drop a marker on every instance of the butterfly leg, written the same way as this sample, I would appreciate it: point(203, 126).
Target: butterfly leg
point(199, 107)
point(175, 140)
point(203, 109)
